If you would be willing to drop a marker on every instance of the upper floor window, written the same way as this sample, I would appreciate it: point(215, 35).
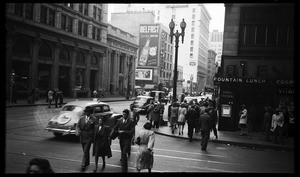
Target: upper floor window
point(194, 10)
point(85, 28)
point(94, 60)
point(80, 58)
point(86, 9)
point(231, 70)
point(81, 7)
point(99, 14)
point(47, 16)
point(94, 12)
point(19, 9)
point(64, 55)
point(66, 23)
point(29, 11)
point(51, 17)
point(43, 14)
point(94, 33)
point(80, 27)
point(193, 16)
point(98, 34)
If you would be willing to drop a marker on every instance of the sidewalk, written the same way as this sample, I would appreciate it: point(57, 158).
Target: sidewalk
point(254, 140)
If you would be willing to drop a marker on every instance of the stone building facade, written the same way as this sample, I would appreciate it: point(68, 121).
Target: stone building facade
point(68, 46)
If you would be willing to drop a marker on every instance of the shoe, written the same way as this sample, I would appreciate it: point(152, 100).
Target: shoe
point(172, 131)
point(182, 133)
point(103, 166)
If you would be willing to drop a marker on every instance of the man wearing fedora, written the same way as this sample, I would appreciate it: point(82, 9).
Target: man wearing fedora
point(85, 130)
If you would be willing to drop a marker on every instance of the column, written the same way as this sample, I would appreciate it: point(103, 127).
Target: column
point(10, 38)
point(55, 74)
point(117, 71)
point(34, 65)
point(133, 71)
point(88, 72)
point(73, 71)
point(100, 72)
point(107, 70)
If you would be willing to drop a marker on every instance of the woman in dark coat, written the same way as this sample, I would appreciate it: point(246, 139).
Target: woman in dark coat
point(101, 145)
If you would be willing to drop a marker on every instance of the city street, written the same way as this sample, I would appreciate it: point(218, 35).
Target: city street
point(27, 138)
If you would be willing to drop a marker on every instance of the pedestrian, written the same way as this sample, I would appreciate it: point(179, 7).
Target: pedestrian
point(243, 119)
point(205, 127)
point(57, 97)
point(95, 93)
point(135, 118)
point(182, 110)
point(61, 99)
point(162, 110)
point(214, 117)
point(39, 165)
point(85, 131)
point(150, 110)
point(277, 126)
point(267, 122)
point(191, 120)
point(50, 97)
point(101, 143)
point(145, 140)
point(125, 128)
point(155, 116)
point(174, 115)
point(197, 109)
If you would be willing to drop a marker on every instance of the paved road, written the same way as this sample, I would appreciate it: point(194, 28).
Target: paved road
point(26, 138)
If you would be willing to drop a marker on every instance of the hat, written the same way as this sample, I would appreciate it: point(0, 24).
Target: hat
point(126, 111)
point(147, 125)
point(88, 109)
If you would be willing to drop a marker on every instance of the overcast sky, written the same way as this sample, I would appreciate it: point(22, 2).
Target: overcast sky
point(216, 11)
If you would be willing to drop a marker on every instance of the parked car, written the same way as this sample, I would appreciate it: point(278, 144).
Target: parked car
point(141, 104)
point(65, 122)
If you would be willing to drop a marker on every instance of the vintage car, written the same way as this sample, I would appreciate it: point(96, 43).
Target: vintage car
point(191, 98)
point(65, 122)
point(140, 104)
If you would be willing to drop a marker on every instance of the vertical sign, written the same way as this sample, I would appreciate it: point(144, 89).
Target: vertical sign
point(148, 45)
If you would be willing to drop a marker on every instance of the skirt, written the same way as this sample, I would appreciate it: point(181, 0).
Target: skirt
point(144, 158)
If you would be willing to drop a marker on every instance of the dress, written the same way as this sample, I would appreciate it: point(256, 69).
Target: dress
point(181, 118)
point(174, 115)
point(144, 158)
point(101, 144)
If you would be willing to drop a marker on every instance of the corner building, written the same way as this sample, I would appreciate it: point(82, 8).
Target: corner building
point(68, 46)
point(257, 67)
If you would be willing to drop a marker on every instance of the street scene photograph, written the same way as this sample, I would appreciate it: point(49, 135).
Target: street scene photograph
point(149, 88)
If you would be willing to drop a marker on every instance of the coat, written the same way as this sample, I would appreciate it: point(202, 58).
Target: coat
point(86, 130)
point(205, 122)
point(101, 145)
point(144, 157)
point(127, 128)
point(156, 115)
point(191, 117)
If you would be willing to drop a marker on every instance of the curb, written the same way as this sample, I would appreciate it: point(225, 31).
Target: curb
point(234, 143)
point(46, 104)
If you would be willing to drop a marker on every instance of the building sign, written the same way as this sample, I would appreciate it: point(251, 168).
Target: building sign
point(148, 40)
point(225, 110)
point(143, 74)
point(253, 81)
point(192, 63)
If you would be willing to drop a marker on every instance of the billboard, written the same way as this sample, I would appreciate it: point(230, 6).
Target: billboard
point(148, 41)
point(144, 74)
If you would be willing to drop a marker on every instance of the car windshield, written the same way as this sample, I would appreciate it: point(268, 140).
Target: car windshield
point(72, 108)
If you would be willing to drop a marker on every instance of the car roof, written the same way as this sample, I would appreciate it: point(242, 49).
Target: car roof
point(144, 96)
point(85, 103)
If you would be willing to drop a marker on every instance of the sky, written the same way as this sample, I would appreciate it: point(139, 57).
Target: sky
point(216, 11)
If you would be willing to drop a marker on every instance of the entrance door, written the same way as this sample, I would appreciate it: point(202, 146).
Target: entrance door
point(44, 77)
point(64, 80)
point(93, 74)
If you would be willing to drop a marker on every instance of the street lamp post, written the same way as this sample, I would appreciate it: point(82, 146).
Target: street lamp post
point(192, 77)
point(177, 35)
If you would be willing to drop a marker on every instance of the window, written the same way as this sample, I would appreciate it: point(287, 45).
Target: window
point(80, 58)
point(99, 14)
point(94, 60)
point(95, 12)
point(194, 10)
point(63, 22)
point(64, 55)
point(19, 9)
point(80, 27)
point(191, 55)
point(98, 34)
point(43, 14)
point(191, 49)
point(192, 29)
point(262, 71)
point(94, 33)
point(81, 7)
point(29, 11)
point(173, 16)
point(193, 23)
point(85, 27)
point(192, 36)
point(193, 16)
point(45, 51)
point(70, 24)
point(86, 9)
point(51, 17)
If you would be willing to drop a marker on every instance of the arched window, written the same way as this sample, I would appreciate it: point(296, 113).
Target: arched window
point(21, 46)
point(94, 60)
point(80, 58)
point(64, 55)
point(45, 51)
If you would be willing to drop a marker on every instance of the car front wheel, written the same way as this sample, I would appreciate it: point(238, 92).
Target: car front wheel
point(57, 134)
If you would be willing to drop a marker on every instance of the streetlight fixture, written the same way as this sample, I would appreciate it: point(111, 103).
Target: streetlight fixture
point(177, 35)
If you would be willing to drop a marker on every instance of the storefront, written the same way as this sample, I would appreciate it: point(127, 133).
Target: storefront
point(255, 93)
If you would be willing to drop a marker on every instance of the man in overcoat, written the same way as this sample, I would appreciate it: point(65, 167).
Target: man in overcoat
point(205, 127)
point(85, 131)
point(125, 128)
point(191, 121)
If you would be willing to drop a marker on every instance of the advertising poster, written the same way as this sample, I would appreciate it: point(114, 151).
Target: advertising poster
point(149, 34)
point(143, 74)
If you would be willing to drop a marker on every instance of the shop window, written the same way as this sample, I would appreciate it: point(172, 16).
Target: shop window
point(45, 51)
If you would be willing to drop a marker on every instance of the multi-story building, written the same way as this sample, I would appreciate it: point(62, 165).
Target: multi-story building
point(257, 67)
point(211, 67)
point(192, 54)
point(215, 42)
point(68, 46)
point(158, 67)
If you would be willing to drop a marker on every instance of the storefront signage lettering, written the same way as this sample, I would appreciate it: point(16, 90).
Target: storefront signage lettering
point(286, 91)
point(255, 81)
point(285, 82)
point(228, 79)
